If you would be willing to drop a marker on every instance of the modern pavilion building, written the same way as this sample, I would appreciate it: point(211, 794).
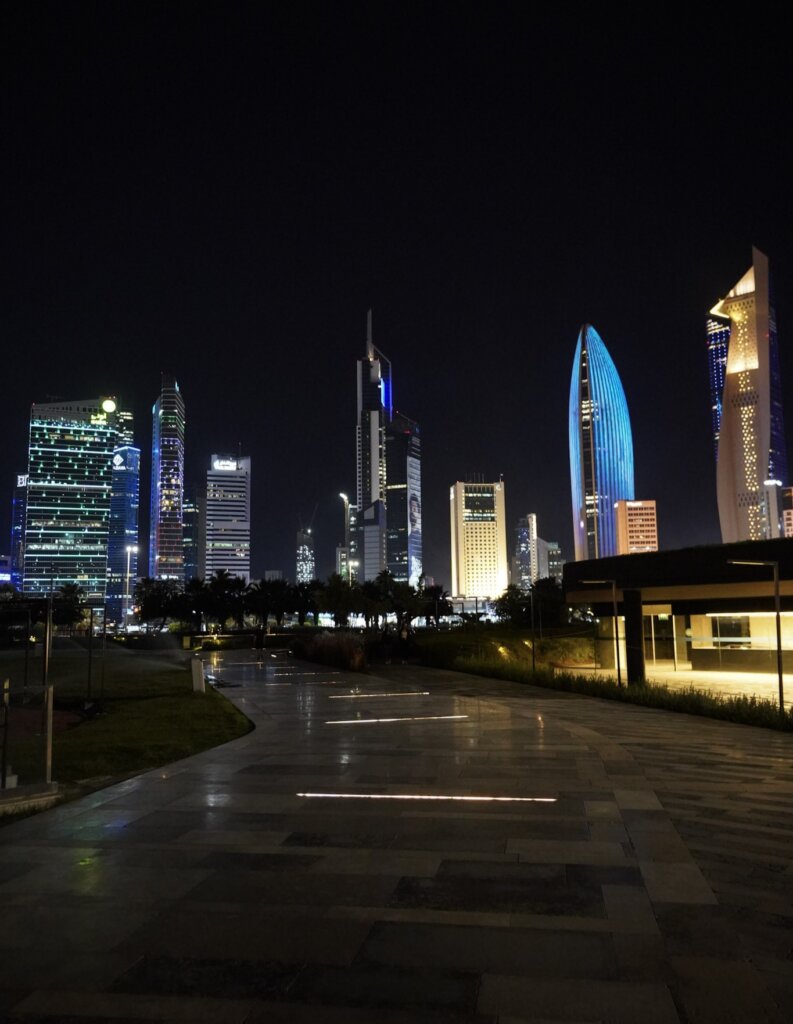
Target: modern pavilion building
point(166, 542)
point(601, 447)
point(751, 456)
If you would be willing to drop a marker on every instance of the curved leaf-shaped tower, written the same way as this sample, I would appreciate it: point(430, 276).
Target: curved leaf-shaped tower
point(601, 446)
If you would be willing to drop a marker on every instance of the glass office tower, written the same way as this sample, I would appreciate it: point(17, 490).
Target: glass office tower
point(18, 509)
point(404, 553)
point(601, 446)
point(122, 549)
point(166, 544)
point(70, 478)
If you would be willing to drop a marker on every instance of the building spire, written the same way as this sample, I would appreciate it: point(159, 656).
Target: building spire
point(369, 342)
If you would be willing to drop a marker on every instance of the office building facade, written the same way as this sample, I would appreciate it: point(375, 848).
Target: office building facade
point(122, 547)
point(227, 517)
point(555, 561)
point(404, 555)
point(637, 526)
point(479, 540)
point(69, 487)
point(601, 446)
point(19, 504)
point(166, 542)
point(385, 528)
point(194, 533)
point(751, 460)
point(305, 560)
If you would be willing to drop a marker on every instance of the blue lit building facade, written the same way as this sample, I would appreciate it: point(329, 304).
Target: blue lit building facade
point(122, 544)
point(70, 468)
point(601, 447)
point(18, 506)
point(166, 540)
point(718, 343)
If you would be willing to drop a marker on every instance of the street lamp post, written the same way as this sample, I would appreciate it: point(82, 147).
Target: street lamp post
point(131, 549)
point(613, 584)
point(775, 567)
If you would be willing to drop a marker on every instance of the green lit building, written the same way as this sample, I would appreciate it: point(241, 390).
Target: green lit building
point(70, 475)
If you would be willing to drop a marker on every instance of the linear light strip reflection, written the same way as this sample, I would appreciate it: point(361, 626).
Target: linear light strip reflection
point(427, 796)
point(357, 696)
point(417, 718)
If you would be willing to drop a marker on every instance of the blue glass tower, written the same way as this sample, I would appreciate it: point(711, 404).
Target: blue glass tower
point(122, 544)
point(718, 343)
point(601, 446)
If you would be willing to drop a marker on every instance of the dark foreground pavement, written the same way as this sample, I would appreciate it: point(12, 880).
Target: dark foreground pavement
point(652, 883)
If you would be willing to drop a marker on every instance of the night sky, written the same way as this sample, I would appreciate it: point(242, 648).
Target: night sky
point(221, 191)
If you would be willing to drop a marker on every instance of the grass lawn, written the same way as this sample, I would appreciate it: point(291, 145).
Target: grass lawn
point(149, 716)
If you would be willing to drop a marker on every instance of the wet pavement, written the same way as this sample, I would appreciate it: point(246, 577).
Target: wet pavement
point(415, 845)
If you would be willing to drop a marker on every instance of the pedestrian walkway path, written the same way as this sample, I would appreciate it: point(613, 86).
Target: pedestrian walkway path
point(411, 846)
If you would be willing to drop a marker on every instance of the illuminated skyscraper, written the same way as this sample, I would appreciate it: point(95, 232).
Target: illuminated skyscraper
point(637, 526)
point(70, 476)
point(403, 500)
point(227, 515)
point(374, 415)
point(718, 340)
point(194, 533)
point(166, 546)
point(751, 461)
point(479, 540)
point(385, 521)
point(601, 446)
point(305, 562)
point(18, 507)
point(122, 552)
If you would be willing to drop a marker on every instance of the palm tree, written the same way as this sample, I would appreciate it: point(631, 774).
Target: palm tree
point(156, 599)
point(338, 599)
point(67, 608)
point(226, 597)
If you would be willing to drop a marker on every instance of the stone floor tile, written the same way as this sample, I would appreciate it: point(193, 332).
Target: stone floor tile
point(549, 851)
point(676, 883)
point(528, 952)
point(564, 1000)
point(629, 909)
point(67, 1006)
point(637, 800)
point(424, 989)
point(291, 936)
point(716, 991)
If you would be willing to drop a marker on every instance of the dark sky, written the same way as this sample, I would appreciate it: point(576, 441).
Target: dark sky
point(223, 190)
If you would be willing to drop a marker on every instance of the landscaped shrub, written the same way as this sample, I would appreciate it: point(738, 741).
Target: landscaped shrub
point(743, 710)
point(340, 649)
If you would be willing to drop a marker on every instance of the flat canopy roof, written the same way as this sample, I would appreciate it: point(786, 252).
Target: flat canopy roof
point(692, 580)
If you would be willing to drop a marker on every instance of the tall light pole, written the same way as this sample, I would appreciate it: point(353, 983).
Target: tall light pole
point(131, 549)
point(775, 566)
point(613, 584)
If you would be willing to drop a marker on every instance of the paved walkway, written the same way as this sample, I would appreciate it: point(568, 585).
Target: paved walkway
point(347, 863)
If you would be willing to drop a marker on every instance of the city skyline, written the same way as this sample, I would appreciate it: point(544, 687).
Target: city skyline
point(252, 183)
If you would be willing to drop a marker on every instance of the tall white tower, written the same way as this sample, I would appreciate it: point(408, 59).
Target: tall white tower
point(227, 516)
